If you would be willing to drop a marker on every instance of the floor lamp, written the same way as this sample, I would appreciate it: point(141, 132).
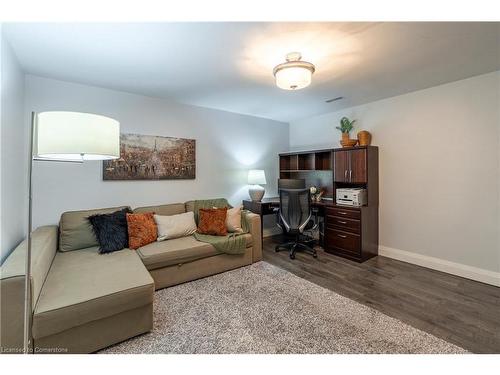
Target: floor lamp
point(64, 137)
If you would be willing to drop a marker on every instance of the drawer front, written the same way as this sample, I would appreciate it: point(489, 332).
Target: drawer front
point(343, 212)
point(342, 223)
point(345, 241)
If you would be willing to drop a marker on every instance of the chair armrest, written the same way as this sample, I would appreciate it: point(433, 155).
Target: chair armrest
point(254, 227)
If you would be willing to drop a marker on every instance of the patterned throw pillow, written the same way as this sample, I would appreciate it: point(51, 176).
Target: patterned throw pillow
point(212, 221)
point(110, 230)
point(141, 229)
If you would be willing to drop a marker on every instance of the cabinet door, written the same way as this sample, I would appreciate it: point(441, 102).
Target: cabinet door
point(341, 166)
point(357, 170)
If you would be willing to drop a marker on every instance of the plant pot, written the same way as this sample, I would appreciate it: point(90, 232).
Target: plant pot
point(346, 142)
point(364, 138)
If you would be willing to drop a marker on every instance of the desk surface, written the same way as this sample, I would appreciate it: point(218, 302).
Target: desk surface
point(276, 200)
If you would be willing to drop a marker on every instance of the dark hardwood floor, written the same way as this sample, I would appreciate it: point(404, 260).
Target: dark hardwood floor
point(461, 311)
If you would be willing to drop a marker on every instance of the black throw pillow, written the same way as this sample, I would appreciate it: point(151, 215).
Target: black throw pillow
point(111, 230)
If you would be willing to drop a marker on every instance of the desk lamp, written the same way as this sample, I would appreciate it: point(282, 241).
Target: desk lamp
point(256, 177)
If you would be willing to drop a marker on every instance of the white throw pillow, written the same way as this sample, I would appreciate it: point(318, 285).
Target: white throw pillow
point(233, 220)
point(175, 226)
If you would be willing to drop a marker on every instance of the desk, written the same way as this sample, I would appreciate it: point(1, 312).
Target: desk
point(268, 205)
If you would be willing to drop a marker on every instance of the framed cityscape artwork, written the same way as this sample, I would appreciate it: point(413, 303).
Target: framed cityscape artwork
point(146, 157)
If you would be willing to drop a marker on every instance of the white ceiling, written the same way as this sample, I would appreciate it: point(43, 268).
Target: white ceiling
point(229, 66)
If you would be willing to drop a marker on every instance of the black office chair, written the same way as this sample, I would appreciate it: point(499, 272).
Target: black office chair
point(287, 183)
point(295, 214)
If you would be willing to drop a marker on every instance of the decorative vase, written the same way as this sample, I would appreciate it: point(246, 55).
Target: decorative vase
point(364, 138)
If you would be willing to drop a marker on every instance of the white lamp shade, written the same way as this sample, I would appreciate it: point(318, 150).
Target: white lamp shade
point(256, 177)
point(293, 78)
point(75, 136)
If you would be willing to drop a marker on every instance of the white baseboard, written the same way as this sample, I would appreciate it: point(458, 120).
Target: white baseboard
point(473, 273)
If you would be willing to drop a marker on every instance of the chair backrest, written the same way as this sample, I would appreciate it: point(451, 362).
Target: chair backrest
point(295, 208)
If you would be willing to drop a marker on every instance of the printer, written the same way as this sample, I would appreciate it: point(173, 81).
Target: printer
point(351, 197)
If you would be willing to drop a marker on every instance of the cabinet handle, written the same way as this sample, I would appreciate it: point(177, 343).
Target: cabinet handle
point(350, 175)
point(341, 222)
point(342, 213)
point(342, 236)
point(345, 175)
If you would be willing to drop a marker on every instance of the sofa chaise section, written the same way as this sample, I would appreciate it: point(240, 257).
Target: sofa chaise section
point(91, 300)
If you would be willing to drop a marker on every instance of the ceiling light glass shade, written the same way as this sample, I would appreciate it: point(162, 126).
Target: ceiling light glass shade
point(293, 78)
point(75, 136)
point(256, 177)
point(294, 74)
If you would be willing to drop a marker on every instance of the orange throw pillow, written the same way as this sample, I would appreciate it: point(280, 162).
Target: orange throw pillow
point(141, 229)
point(212, 221)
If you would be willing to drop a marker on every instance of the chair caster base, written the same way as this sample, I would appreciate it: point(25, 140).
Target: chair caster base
point(293, 247)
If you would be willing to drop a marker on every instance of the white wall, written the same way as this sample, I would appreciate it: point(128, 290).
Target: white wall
point(13, 152)
point(227, 145)
point(439, 168)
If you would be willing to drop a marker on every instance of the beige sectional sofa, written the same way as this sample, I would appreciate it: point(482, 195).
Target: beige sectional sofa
point(83, 301)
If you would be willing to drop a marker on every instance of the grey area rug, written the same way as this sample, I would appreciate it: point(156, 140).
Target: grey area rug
point(264, 309)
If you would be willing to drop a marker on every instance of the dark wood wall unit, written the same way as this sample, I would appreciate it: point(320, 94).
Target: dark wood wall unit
point(315, 166)
point(350, 232)
point(351, 166)
point(306, 162)
point(321, 179)
point(354, 167)
point(323, 161)
point(288, 162)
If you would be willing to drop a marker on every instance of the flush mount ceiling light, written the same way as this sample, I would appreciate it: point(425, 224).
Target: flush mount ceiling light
point(294, 74)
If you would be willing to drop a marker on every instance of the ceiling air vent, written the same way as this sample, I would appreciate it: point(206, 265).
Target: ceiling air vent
point(334, 99)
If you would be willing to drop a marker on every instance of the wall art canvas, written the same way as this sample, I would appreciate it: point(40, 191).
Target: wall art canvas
point(146, 157)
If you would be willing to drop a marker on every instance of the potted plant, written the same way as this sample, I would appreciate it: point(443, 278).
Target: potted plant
point(345, 127)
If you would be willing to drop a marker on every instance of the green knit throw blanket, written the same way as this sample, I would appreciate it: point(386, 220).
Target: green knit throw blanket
point(233, 243)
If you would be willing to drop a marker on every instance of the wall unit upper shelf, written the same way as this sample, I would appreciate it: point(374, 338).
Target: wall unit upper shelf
point(320, 160)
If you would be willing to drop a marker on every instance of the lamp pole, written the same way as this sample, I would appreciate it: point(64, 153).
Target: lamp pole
point(27, 286)
point(56, 149)
point(27, 280)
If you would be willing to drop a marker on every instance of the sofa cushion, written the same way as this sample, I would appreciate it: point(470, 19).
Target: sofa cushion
point(165, 209)
point(175, 226)
point(84, 286)
point(233, 219)
point(175, 251)
point(178, 251)
point(212, 221)
point(189, 206)
point(141, 229)
point(75, 231)
point(111, 230)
